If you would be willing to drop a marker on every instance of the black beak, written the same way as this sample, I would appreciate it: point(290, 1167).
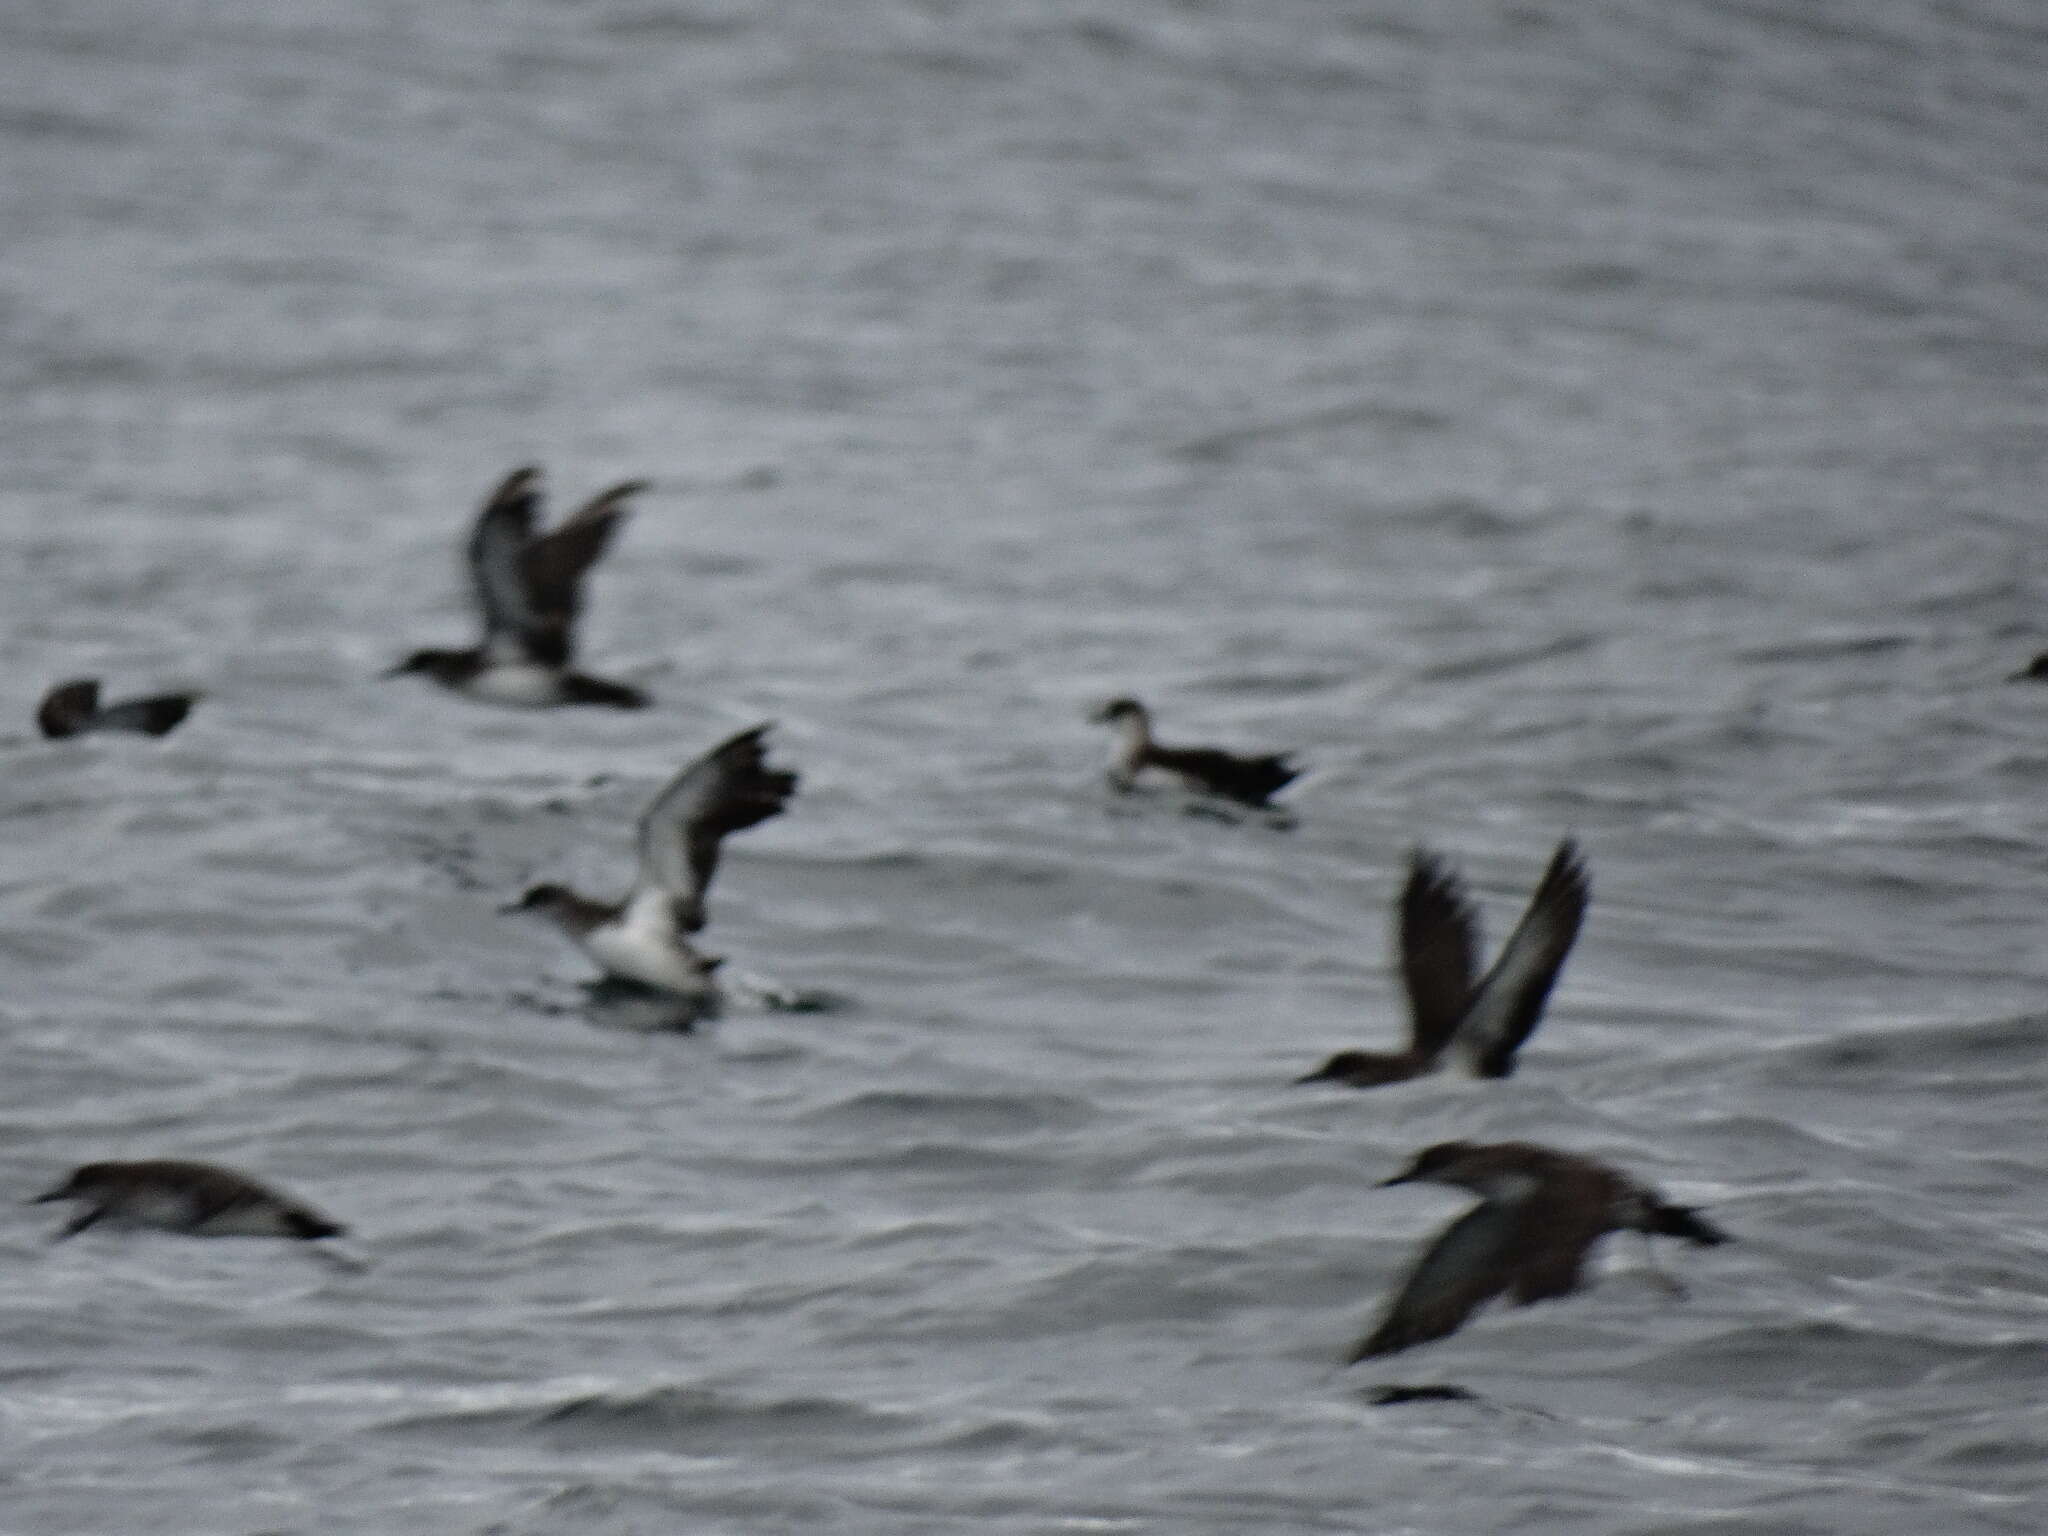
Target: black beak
point(1399, 1178)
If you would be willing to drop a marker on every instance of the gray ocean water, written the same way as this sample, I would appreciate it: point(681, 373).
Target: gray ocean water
point(1555, 416)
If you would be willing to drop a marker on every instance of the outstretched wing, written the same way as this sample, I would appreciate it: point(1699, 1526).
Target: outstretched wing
point(513, 625)
point(728, 789)
point(1438, 941)
point(553, 565)
point(1468, 1265)
point(1560, 1233)
point(1510, 999)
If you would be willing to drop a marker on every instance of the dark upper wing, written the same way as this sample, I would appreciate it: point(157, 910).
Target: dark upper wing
point(728, 789)
point(213, 1192)
point(497, 570)
point(1561, 1231)
point(553, 564)
point(1252, 780)
point(1438, 942)
point(1469, 1263)
point(1510, 999)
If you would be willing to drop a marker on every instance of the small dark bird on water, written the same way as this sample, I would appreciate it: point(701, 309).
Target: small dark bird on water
point(1539, 1214)
point(1251, 781)
point(73, 708)
point(1436, 937)
point(528, 590)
point(644, 938)
point(198, 1199)
point(2035, 671)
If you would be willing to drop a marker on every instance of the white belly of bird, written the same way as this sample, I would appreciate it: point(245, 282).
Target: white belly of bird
point(520, 684)
point(643, 947)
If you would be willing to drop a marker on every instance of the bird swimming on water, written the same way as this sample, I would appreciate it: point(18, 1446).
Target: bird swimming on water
point(1486, 1020)
point(1540, 1211)
point(528, 588)
point(645, 938)
point(73, 708)
point(199, 1199)
point(1251, 781)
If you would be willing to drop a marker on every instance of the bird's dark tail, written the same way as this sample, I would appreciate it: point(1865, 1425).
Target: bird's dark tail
point(581, 688)
point(1265, 777)
point(1683, 1221)
point(309, 1227)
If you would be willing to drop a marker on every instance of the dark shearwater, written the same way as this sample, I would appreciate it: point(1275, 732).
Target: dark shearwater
point(528, 589)
point(1539, 1214)
point(1437, 938)
point(1251, 781)
point(2035, 671)
point(195, 1198)
point(73, 708)
point(644, 938)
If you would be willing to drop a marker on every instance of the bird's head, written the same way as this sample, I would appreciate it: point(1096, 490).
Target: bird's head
point(545, 899)
point(1118, 710)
